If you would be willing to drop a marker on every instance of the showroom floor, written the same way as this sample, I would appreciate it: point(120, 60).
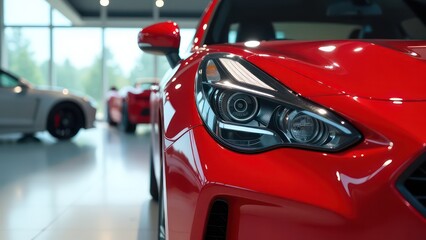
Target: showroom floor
point(93, 187)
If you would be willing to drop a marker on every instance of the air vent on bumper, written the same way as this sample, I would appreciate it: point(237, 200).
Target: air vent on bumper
point(217, 222)
point(412, 185)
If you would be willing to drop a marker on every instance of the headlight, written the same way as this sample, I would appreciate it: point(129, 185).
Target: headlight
point(247, 110)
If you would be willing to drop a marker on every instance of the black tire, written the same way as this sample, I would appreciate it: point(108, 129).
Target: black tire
point(125, 123)
point(153, 187)
point(109, 119)
point(64, 121)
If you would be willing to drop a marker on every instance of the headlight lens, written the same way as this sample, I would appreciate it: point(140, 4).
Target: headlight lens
point(247, 110)
point(237, 106)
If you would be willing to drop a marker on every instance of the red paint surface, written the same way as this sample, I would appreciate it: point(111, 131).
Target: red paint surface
point(161, 35)
point(290, 193)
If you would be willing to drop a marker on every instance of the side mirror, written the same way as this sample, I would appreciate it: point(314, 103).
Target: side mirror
point(24, 84)
point(161, 39)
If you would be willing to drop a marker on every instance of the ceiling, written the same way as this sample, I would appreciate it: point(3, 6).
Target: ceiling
point(130, 13)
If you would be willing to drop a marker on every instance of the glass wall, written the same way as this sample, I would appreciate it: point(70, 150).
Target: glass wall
point(77, 57)
point(26, 13)
point(126, 64)
point(58, 19)
point(41, 45)
point(27, 53)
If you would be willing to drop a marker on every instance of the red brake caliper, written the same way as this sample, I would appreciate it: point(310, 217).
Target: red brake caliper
point(57, 120)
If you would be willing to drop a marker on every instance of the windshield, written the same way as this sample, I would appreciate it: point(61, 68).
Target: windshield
point(244, 20)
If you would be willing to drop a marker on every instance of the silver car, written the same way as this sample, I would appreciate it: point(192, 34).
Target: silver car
point(26, 109)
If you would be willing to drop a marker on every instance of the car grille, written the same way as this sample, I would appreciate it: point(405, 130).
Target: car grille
point(217, 222)
point(412, 185)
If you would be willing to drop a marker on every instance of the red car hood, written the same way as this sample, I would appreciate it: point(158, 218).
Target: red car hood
point(383, 70)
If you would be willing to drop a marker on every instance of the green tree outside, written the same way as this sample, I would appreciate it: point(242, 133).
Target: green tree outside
point(21, 60)
point(144, 68)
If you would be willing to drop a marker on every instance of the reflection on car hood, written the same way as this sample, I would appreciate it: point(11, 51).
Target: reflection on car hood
point(383, 70)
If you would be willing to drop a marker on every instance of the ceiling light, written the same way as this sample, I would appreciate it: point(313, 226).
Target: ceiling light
point(159, 3)
point(104, 2)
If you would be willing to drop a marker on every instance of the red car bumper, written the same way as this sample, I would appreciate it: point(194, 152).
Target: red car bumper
point(139, 107)
point(283, 193)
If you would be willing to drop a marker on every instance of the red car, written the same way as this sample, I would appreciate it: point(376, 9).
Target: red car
point(129, 106)
point(292, 120)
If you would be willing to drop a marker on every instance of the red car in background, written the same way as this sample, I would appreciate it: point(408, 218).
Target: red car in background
point(129, 106)
point(292, 119)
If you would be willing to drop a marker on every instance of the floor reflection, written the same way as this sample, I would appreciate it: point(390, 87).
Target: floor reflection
point(93, 187)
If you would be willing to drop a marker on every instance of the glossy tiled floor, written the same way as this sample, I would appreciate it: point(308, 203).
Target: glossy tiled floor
point(93, 187)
